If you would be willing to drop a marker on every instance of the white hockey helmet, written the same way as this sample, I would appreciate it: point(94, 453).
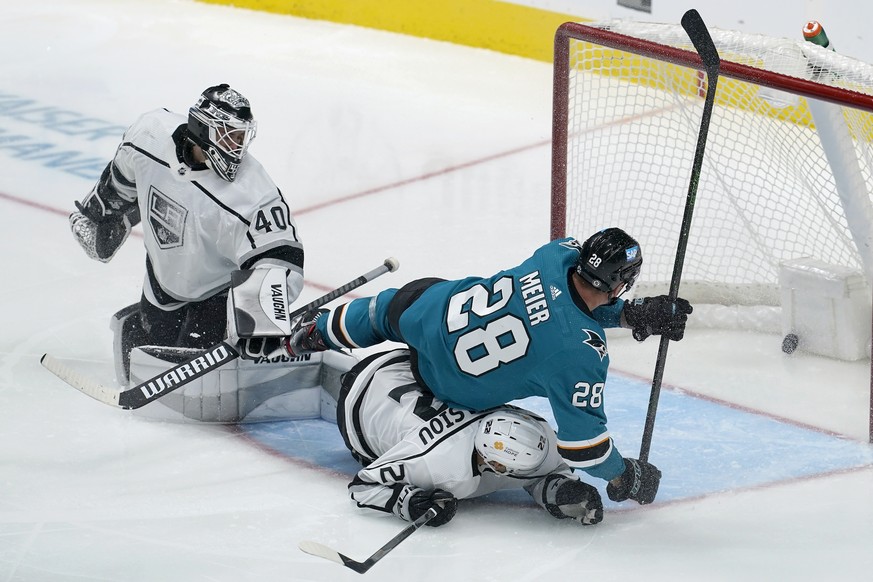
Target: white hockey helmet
point(221, 123)
point(512, 442)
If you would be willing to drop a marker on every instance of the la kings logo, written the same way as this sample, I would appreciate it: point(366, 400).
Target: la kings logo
point(167, 219)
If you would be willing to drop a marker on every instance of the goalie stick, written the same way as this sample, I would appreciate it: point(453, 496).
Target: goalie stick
point(700, 37)
point(322, 551)
point(182, 374)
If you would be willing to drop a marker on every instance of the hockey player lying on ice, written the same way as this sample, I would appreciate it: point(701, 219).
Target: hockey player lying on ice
point(419, 453)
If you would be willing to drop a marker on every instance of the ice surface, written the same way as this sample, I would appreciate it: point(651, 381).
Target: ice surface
point(385, 145)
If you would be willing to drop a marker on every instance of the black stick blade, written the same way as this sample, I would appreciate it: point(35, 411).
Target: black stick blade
point(700, 37)
point(322, 551)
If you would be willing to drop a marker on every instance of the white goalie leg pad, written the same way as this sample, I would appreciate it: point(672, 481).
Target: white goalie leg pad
point(333, 366)
point(243, 390)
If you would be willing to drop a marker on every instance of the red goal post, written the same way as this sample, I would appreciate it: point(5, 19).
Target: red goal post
point(787, 177)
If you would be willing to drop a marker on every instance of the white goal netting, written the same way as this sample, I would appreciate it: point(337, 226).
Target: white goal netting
point(773, 187)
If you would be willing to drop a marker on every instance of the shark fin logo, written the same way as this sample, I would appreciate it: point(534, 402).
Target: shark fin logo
point(596, 343)
point(167, 219)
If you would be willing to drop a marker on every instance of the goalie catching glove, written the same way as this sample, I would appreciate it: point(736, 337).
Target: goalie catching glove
point(104, 219)
point(657, 316)
point(567, 498)
point(639, 482)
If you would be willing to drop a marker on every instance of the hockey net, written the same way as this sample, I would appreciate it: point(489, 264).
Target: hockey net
point(628, 101)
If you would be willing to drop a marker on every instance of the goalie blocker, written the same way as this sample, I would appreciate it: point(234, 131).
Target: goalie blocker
point(258, 304)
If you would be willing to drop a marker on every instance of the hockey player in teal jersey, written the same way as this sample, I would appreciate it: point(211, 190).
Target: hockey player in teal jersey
point(533, 330)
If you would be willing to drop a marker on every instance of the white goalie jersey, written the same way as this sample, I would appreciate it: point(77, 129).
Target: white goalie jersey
point(197, 227)
point(407, 438)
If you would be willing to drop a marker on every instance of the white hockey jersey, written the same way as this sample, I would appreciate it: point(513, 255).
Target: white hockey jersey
point(197, 227)
point(408, 438)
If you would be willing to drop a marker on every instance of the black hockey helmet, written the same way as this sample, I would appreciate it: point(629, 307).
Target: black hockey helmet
point(609, 258)
point(221, 123)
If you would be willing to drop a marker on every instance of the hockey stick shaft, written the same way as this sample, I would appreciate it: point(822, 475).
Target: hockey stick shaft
point(700, 37)
point(389, 266)
point(322, 551)
point(184, 373)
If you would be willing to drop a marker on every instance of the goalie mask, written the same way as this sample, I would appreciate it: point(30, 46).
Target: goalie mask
point(221, 123)
point(609, 259)
point(511, 442)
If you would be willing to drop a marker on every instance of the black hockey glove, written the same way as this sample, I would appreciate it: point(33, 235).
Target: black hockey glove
point(444, 502)
point(305, 338)
point(565, 498)
point(639, 482)
point(657, 316)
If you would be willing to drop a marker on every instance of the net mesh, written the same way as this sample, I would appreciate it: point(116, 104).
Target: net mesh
point(767, 193)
